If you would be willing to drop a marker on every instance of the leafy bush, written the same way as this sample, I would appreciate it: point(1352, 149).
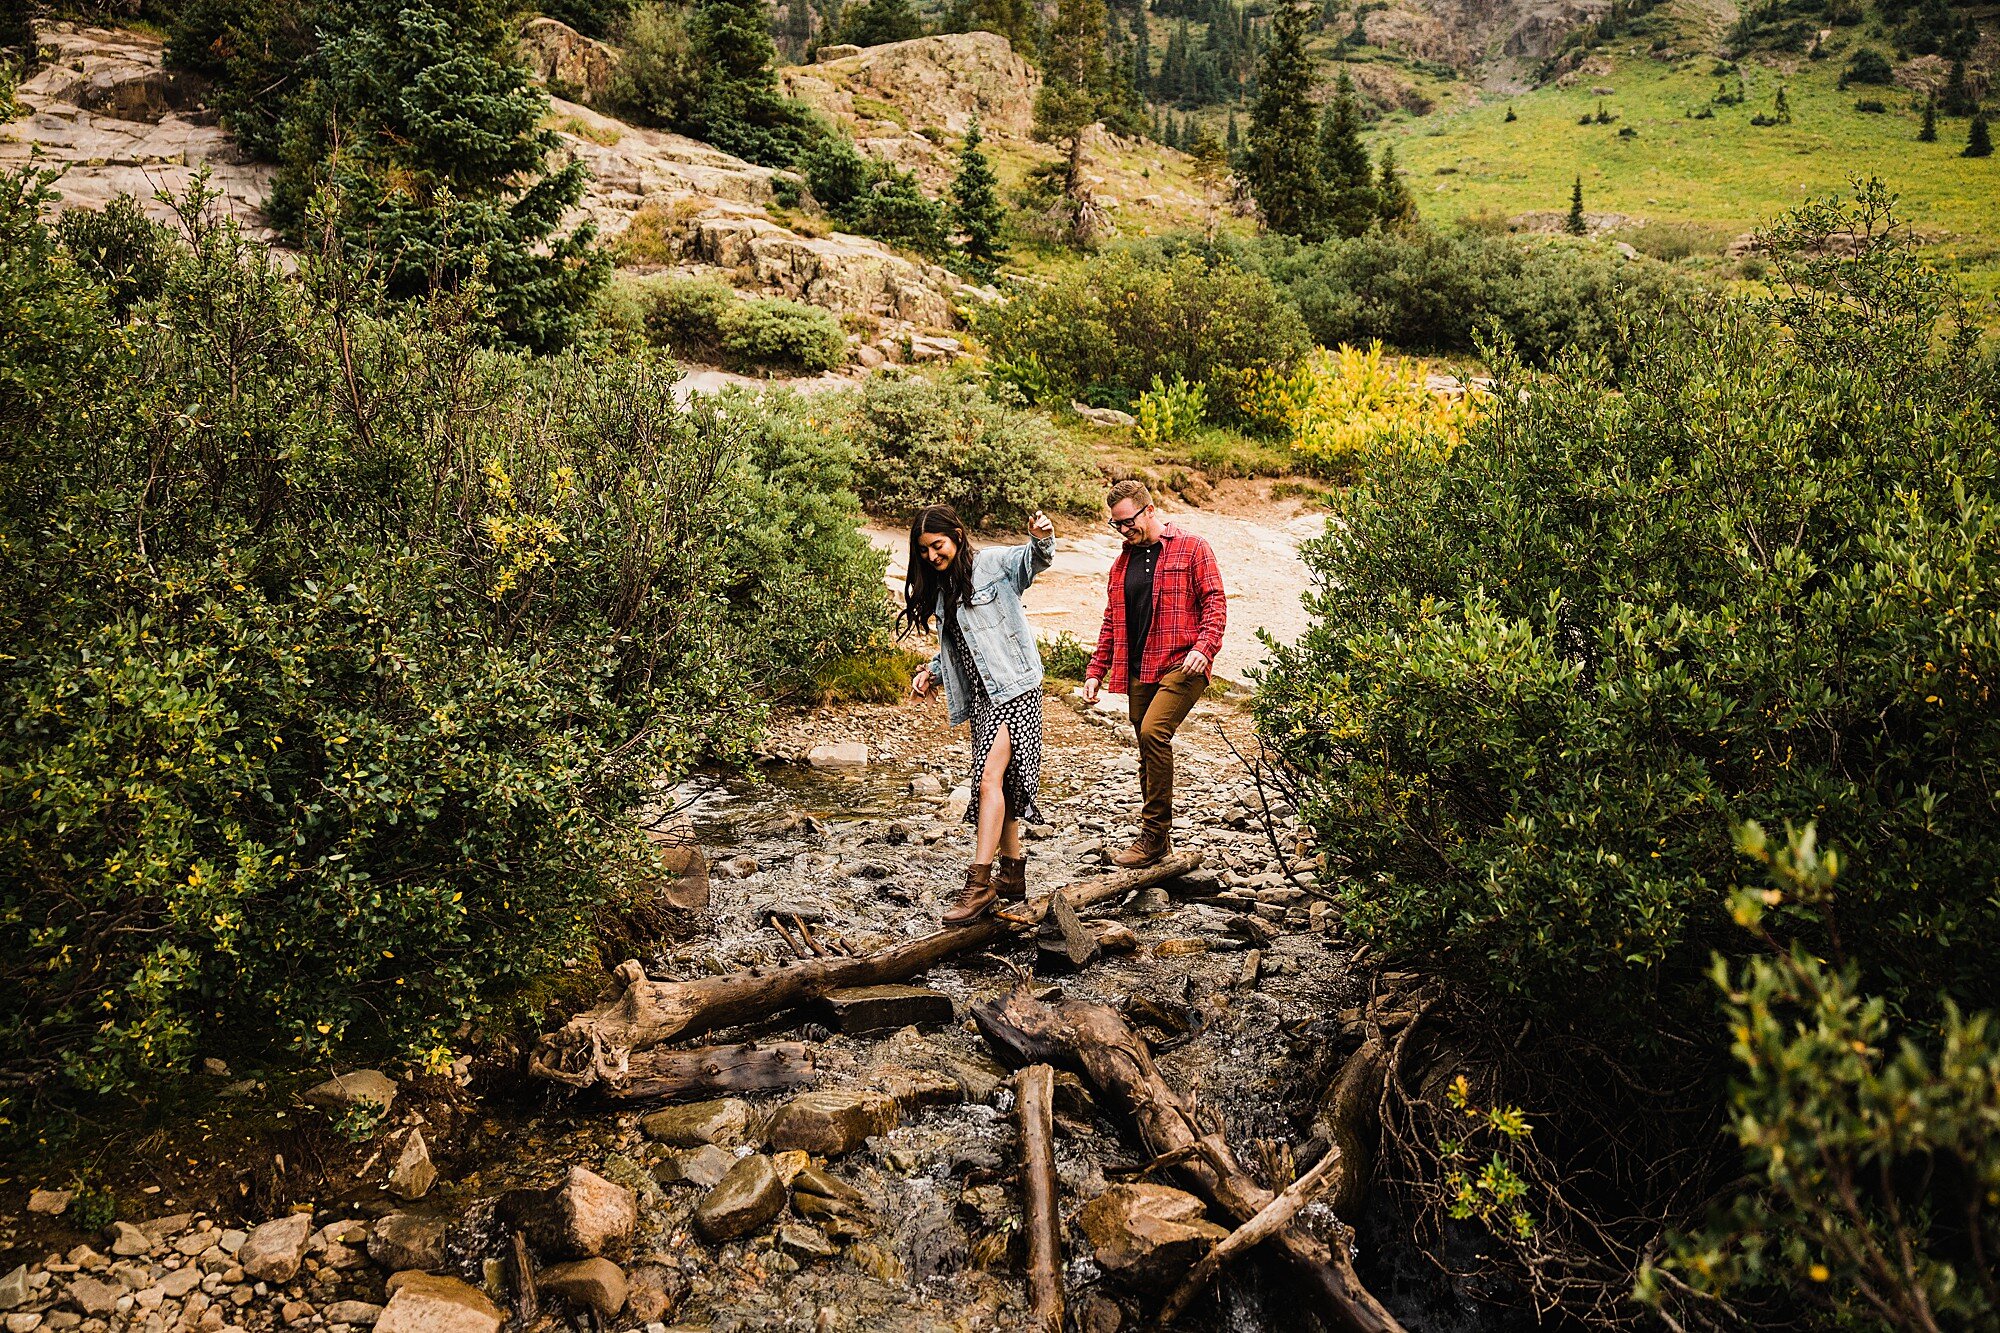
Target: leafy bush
point(1064, 657)
point(1170, 412)
point(1868, 66)
point(1429, 291)
point(656, 81)
point(946, 441)
point(874, 198)
point(1118, 321)
point(705, 320)
point(119, 247)
point(1876, 1162)
point(1348, 411)
point(1759, 582)
point(340, 651)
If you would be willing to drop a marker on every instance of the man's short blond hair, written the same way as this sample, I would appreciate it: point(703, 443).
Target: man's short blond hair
point(1128, 489)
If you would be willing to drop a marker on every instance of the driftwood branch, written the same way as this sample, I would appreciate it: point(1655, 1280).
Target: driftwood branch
point(1093, 1040)
point(597, 1045)
point(1270, 1219)
point(711, 1071)
point(1034, 1102)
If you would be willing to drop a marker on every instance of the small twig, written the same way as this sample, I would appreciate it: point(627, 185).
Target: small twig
point(791, 943)
point(806, 931)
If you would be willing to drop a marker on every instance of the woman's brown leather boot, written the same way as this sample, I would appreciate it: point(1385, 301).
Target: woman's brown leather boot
point(1010, 881)
point(975, 899)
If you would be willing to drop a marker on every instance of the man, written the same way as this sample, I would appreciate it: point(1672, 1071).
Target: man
point(1163, 620)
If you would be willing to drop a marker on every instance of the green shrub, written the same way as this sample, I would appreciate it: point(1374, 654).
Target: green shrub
point(119, 247)
point(1546, 673)
point(873, 198)
point(1064, 657)
point(655, 82)
point(1116, 322)
point(684, 315)
point(781, 335)
point(341, 650)
point(1169, 413)
point(946, 441)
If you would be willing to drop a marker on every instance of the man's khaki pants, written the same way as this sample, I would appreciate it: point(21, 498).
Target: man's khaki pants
point(1157, 712)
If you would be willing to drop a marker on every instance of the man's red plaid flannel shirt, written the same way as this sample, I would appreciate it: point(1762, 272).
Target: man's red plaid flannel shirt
point(1189, 612)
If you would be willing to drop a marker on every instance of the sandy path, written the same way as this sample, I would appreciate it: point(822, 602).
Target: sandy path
point(1257, 546)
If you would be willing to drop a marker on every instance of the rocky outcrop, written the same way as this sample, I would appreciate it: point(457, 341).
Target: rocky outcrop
point(569, 63)
point(105, 109)
point(946, 81)
point(849, 274)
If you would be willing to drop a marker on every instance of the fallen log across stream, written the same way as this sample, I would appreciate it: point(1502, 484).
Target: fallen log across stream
point(712, 1071)
point(596, 1046)
point(1094, 1041)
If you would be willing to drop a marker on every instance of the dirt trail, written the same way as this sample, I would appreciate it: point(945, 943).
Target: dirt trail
point(1256, 542)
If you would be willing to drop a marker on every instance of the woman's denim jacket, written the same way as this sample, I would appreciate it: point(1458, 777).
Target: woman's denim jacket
point(996, 630)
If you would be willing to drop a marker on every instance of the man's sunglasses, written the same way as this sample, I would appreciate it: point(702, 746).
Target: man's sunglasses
point(1125, 524)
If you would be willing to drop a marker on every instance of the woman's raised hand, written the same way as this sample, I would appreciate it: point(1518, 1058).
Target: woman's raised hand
point(1038, 524)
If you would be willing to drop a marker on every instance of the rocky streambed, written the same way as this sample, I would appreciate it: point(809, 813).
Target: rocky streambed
point(881, 1194)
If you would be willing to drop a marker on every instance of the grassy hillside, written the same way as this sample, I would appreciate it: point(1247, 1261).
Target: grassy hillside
point(1722, 173)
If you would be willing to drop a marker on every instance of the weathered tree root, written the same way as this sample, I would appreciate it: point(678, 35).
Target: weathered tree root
point(1093, 1040)
point(597, 1045)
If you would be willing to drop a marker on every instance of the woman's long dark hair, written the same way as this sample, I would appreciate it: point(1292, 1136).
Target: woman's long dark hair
point(922, 584)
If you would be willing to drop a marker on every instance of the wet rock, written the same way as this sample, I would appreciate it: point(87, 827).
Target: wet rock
point(839, 755)
point(653, 1292)
point(789, 1164)
point(686, 865)
point(414, 1174)
point(862, 1011)
point(273, 1252)
point(704, 1167)
point(1177, 947)
point(421, 1303)
point(127, 1240)
point(877, 1262)
point(580, 1218)
point(804, 1241)
point(1098, 1314)
point(736, 867)
point(402, 1241)
point(361, 1314)
point(344, 1092)
point(831, 1122)
point(24, 1323)
point(1148, 1235)
point(742, 1201)
point(49, 1203)
point(726, 1122)
point(596, 1283)
point(95, 1298)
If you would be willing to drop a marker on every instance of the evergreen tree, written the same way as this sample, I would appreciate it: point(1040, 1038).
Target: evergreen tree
point(1576, 226)
point(1978, 141)
point(1284, 165)
point(1394, 204)
point(975, 202)
point(419, 116)
point(1349, 176)
point(1784, 108)
point(1928, 133)
point(1013, 19)
point(17, 35)
point(879, 22)
point(737, 105)
point(1232, 140)
point(1142, 55)
point(1074, 78)
point(798, 28)
point(1958, 99)
point(1511, 117)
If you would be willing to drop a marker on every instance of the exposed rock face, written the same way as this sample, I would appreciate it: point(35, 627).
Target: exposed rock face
point(274, 1251)
point(1148, 1235)
point(843, 273)
point(571, 64)
point(420, 1303)
point(106, 108)
point(948, 80)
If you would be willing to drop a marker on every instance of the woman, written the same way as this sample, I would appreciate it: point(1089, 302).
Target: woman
point(992, 675)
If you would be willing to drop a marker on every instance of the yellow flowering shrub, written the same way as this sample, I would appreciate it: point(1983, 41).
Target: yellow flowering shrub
point(1341, 410)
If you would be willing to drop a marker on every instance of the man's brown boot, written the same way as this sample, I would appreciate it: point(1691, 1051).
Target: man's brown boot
point(975, 899)
point(1150, 846)
point(1010, 880)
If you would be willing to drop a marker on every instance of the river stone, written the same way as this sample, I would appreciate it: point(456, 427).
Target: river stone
point(597, 1283)
point(421, 1303)
point(745, 1199)
point(803, 1240)
point(726, 1122)
point(14, 1289)
point(94, 1297)
point(817, 1180)
point(49, 1203)
point(26, 1322)
point(273, 1252)
point(1148, 1235)
point(362, 1314)
point(127, 1240)
point(414, 1174)
point(686, 865)
point(343, 1092)
point(862, 1011)
point(830, 1122)
point(838, 755)
point(582, 1217)
point(402, 1241)
point(704, 1166)
point(653, 1292)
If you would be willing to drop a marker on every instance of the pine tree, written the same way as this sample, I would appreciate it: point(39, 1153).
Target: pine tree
point(1958, 99)
point(1576, 226)
point(1344, 166)
point(1142, 55)
point(419, 116)
point(1784, 108)
point(879, 22)
point(1074, 78)
point(975, 202)
point(1928, 134)
point(1284, 165)
point(1013, 19)
point(1393, 202)
point(17, 35)
point(1978, 141)
point(1231, 139)
point(798, 28)
point(737, 105)
point(1511, 117)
